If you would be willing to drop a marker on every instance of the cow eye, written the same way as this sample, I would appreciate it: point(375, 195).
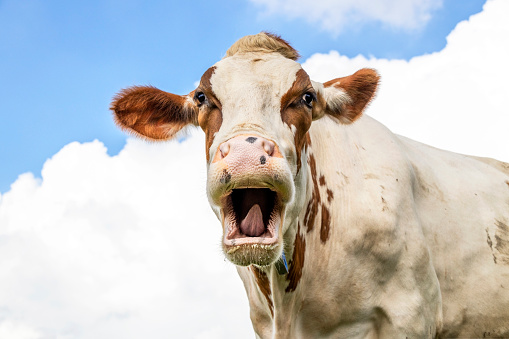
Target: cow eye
point(200, 97)
point(308, 99)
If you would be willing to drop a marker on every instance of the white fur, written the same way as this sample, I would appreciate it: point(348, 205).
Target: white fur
point(407, 254)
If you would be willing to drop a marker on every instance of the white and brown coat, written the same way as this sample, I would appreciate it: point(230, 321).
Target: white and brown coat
point(385, 237)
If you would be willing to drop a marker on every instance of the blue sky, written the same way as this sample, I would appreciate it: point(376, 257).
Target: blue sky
point(61, 62)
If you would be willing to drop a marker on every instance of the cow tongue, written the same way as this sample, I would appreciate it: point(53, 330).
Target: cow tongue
point(252, 225)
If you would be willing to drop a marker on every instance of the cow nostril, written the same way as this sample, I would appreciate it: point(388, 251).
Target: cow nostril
point(268, 147)
point(224, 149)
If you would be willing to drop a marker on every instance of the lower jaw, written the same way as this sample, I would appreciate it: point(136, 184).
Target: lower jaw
point(253, 253)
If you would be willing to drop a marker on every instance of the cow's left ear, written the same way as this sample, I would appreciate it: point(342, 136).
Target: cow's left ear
point(346, 98)
point(152, 113)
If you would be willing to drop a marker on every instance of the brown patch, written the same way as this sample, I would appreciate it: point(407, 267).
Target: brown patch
point(151, 113)
point(296, 113)
point(205, 78)
point(322, 180)
point(326, 221)
point(314, 203)
point(507, 182)
point(210, 117)
point(314, 175)
point(264, 285)
point(206, 87)
point(311, 211)
point(308, 140)
point(360, 87)
point(210, 126)
point(297, 262)
point(300, 86)
point(330, 195)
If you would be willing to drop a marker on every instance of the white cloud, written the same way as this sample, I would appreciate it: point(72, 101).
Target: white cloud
point(127, 247)
point(117, 247)
point(11, 330)
point(334, 16)
point(454, 99)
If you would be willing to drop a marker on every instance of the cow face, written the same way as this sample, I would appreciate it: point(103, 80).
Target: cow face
point(255, 108)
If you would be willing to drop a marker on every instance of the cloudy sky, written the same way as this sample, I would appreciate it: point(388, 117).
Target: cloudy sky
point(104, 236)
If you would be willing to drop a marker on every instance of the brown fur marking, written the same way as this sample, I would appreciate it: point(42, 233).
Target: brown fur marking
point(311, 211)
point(206, 87)
point(330, 195)
point(294, 112)
point(322, 180)
point(151, 113)
point(210, 117)
point(325, 228)
point(264, 285)
point(308, 140)
point(297, 262)
point(507, 182)
point(210, 126)
point(314, 203)
point(360, 87)
point(314, 175)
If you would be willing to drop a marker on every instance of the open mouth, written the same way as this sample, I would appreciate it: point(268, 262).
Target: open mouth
point(252, 218)
point(252, 215)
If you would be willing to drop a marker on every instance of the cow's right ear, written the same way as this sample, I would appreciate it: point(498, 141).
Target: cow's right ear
point(346, 98)
point(152, 113)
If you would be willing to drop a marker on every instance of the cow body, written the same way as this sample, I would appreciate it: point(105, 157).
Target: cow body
point(384, 237)
point(410, 250)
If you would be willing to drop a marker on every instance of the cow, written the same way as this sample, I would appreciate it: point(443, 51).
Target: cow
point(338, 227)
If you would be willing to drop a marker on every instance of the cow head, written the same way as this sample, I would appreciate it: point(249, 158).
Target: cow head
point(255, 106)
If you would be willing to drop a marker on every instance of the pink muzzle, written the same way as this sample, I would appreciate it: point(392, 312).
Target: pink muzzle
point(246, 152)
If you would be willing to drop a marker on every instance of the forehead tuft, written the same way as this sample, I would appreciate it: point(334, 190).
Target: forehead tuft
point(263, 42)
point(254, 72)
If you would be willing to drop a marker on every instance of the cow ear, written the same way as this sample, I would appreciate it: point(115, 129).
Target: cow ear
point(152, 113)
point(346, 98)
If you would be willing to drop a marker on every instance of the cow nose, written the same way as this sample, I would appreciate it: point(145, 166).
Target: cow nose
point(268, 147)
point(224, 149)
point(247, 145)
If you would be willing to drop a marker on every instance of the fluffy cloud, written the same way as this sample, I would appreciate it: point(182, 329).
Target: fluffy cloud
point(334, 15)
point(117, 247)
point(127, 247)
point(454, 99)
